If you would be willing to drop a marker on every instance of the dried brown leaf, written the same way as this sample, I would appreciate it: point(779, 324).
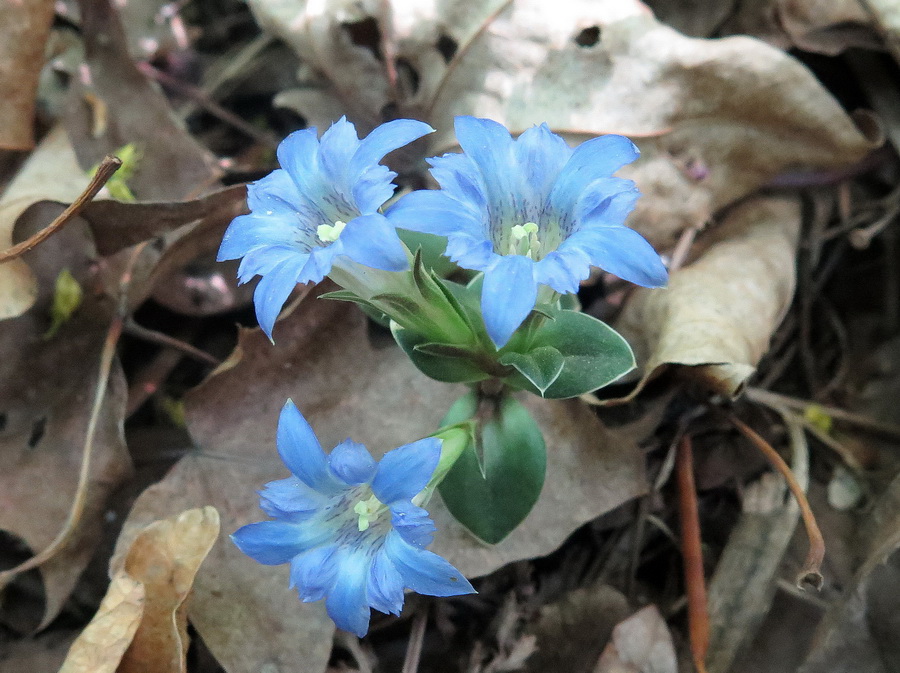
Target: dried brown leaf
point(24, 27)
point(346, 387)
point(46, 392)
point(719, 312)
point(100, 646)
point(640, 644)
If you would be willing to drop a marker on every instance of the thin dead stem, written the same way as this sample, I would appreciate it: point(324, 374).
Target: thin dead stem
point(416, 638)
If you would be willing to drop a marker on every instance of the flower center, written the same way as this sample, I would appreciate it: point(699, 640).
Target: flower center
point(328, 233)
point(368, 511)
point(525, 240)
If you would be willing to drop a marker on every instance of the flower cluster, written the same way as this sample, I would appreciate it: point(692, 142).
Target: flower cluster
point(349, 526)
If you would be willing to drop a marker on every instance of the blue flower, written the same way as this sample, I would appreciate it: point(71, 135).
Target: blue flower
point(348, 525)
point(531, 212)
point(321, 204)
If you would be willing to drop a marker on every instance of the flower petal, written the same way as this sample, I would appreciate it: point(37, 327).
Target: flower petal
point(372, 241)
point(508, 295)
point(470, 252)
point(413, 523)
point(351, 463)
point(490, 146)
point(606, 201)
point(405, 471)
point(273, 290)
point(563, 269)
point(423, 571)
point(290, 499)
point(541, 154)
point(385, 586)
point(301, 452)
point(313, 572)
point(383, 140)
point(623, 252)
point(276, 542)
point(459, 177)
point(348, 603)
point(595, 158)
point(434, 212)
point(336, 147)
point(298, 154)
point(372, 188)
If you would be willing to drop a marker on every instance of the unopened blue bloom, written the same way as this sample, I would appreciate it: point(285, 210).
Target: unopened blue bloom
point(348, 525)
point(321, 204)
point(531, 211)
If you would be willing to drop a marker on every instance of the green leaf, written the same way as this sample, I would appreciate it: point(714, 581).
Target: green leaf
point(594, 355)
point(441, 367)
point(432, 248)
point(541, 366)
point(67, 296)
point(495, 482)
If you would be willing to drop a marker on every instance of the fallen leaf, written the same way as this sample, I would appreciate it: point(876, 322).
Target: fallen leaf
point(640, 644)
point(46, 393)
point(345, 386)
point(24, 27)
point(718, 313)
point(51, 173)
point(100, 646)
point(714, 119)
point(165, 557)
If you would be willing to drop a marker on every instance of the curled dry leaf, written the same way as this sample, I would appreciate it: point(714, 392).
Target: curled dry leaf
point(718, 313)
point(24, 27)
point(345, 386)
point(100, 646)
point(51, 173)
point(141, 626)
point(46, 392)
point(640, 644)
point(715, 119)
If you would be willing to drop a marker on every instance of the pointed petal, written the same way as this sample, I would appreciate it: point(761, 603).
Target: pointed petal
point(471, 253)
point(405, 471)
point(319, 263)
point(508, 295)
point(336, 147)
point(251, 232)
point(413, 523)
point(290, 499)
point(298, 154)
point(423, 571)
point(372, 188)
point(385, 139)
point(348, 603)
point(606, 201)
point(385, 586)
point(301, 452)
point(563, 269)
point(276, 542)
point(313, 572)
point(490, 146)
point(623, 252)
point(434, 212)
point(459, 177)
point(351, 463)
point(541, 155)
point(273, 290)
point(372, 241)
point(593, 159)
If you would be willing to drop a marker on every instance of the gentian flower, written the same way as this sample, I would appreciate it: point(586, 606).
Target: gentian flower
point(320, 205)
point(348, 525)
point(531, 212)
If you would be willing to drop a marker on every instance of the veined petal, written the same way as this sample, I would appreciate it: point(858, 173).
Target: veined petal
point(413, 523)
point(490, 146)
point(459, 177)
point(372, 188)
point(606, 201)
point(336, 147)
point(301, 452)
point(384, 140)
point(423, 571)
point(623, 252)
point(273, 290)
point(595, 158)
point(298, 155)
point(372, 241)
point(348, 603)
point(276, 542)
point(351, 463)
point(385, 586)
point(405, 471)
point(563, 269)
point(251, 232)
point(434, 212)
point(290, 499)
point(541, 154)
point(319, 262)
point(471, 252)
point(313, 572)
point(507, 297)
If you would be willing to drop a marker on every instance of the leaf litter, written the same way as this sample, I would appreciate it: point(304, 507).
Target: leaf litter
point(716, 120)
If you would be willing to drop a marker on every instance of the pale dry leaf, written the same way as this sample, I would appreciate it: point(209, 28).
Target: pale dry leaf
point(715, 119)
point(99, 648)
point(719, 312)
point(46, 393)
point(24, 27)
point(165, 557)
point(323, 359)
point(640, 644)
point(51, 173)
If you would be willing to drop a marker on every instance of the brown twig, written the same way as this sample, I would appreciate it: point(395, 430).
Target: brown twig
point(692, 553)
point(416, 638)
point(162, 339)
point(105, 170)
point(80, 500)
point(811, 573)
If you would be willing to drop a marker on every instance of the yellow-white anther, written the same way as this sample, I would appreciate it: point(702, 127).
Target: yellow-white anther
point(328, 233)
